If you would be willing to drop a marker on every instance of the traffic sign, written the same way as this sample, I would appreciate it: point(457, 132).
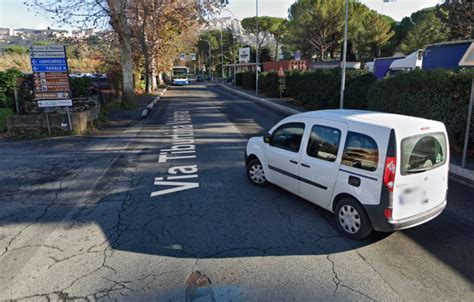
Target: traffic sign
point(49, 68)
point(50, 76)
point(298, 55)
point(281, 72)
point(55, 103)
point(48, 48)
point(47, 54)
point(46, 61)
point(52, 95)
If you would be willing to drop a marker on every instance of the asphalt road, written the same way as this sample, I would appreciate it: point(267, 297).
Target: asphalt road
point(126, 215)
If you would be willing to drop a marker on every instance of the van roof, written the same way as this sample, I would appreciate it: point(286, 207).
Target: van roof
point(381, 119)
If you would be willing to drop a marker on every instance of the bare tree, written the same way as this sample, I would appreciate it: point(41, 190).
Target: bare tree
point(96, 13)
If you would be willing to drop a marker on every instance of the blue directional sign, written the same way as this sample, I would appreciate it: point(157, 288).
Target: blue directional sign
point(48, 61)
point(49, 68)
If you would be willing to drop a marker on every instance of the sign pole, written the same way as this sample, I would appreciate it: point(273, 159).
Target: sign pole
point(47, 123)
point(69, 118)
point(15, 95)
point(468, 126)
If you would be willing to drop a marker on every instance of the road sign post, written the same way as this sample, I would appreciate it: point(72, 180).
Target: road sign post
point(281, 81)
point(51, 78)
point(468, 61)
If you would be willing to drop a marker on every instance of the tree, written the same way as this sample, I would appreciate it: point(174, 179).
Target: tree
point(317, 25)
point(279, 31)
point(266, 25)
point(118, 12)
point(376, 33)
point(428, 30)
point(458, 19)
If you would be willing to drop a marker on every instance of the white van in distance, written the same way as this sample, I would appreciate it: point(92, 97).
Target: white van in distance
point(373, 170)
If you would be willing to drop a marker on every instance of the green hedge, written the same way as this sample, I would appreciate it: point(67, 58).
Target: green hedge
point(319, 89)
point(80, 86)
point(270, 84)
point(441, 95)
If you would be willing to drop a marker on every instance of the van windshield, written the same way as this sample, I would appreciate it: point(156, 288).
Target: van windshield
point(421, 153)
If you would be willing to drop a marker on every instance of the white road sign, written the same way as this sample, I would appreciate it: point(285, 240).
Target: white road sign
point(55, 103)
point(50, 48)
point(244, 55)
point(48, 55)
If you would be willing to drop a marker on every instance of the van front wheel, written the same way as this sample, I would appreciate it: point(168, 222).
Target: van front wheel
point(352, 219)
point(255, 173)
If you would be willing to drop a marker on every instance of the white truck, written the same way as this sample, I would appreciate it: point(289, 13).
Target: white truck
point(411, 62)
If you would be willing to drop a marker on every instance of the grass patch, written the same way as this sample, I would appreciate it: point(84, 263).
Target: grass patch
point(5, 113)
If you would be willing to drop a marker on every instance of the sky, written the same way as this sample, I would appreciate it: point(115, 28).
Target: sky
point(14, 14)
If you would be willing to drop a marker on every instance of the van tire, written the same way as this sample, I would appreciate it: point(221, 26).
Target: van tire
point(352, 220)
point(255, 173)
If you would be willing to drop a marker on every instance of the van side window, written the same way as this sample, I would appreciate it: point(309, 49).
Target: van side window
point(360, 152)
point(288, 136)
point(324, 142)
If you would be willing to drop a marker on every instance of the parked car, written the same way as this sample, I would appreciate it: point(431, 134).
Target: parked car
point(373, 170)
point(199, 78)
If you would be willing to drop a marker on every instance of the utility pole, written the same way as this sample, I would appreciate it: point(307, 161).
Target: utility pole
point(258, 50)
point(344, 54)
point(222, 58)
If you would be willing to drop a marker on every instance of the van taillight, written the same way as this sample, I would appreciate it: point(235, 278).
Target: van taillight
point(389, 174)
point(387, 213)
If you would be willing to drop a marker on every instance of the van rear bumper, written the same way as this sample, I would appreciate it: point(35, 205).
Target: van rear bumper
point(380, 223)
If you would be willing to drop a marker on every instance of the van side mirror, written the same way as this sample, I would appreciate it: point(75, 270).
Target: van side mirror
point(267, 138)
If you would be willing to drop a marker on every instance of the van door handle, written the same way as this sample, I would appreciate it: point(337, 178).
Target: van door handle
point(305, 165)
point(293, 162)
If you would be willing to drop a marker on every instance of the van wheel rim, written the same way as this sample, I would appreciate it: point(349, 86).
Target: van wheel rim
point(257, 174)
point(349, 219)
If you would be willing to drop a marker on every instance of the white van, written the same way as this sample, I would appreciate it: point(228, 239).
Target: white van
point(373, 170)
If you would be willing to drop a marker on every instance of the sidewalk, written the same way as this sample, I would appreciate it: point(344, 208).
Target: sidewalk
point(122, 117)
point(287, 107)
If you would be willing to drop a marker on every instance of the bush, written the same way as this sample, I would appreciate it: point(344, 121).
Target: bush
point(238, 78)
point(248, 80)
point(8, 83)
point(80, 87)
point(270, 84)
point(5, 113)
point(321, 88)
point(441, 95)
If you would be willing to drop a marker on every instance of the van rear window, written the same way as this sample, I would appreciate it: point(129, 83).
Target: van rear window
point(424, 152)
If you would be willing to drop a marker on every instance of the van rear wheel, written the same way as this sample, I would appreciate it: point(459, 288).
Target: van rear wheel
point(352, 219)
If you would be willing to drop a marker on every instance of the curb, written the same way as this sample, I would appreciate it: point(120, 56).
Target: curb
point(153, 103)
point(264, 102)
point(464, 175)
